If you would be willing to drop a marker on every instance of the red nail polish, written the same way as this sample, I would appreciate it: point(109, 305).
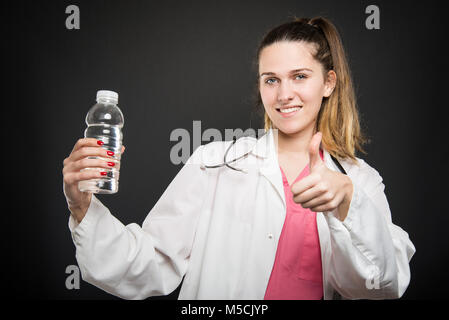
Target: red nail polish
point(104, 173)
point(111, 164)
point(110, 153)
point(100, 143)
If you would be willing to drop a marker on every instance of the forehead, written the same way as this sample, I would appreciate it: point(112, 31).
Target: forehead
point(287, 55)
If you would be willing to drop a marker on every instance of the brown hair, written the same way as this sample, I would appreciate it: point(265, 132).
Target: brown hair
point(338, 118)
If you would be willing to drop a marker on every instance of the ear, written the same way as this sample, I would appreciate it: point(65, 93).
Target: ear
point(330, 83)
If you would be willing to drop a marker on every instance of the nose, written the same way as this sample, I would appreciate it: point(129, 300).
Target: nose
point(285, 93)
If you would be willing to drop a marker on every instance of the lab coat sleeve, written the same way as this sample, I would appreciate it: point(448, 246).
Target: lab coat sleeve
point(370, 255)
point(134, 262)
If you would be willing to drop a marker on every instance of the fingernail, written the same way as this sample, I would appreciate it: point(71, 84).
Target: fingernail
point(104, 173)
point(110, 153)
point(111, 164)
point(100, 143)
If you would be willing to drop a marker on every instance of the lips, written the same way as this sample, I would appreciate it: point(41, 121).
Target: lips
point(287, 111)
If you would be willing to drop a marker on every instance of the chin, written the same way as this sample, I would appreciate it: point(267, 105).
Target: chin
point(289, 129)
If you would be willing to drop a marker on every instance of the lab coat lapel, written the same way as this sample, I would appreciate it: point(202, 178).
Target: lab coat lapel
point(324, 235)
point(266, 149)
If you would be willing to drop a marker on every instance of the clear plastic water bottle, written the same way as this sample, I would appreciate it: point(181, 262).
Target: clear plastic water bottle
point(104, 122)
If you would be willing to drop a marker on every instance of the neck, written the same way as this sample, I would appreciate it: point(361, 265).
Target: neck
point(296, 144)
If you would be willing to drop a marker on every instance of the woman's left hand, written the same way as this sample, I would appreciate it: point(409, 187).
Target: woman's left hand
point(323, 189)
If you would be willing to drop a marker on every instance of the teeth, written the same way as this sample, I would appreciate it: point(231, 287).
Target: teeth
point(289, 110)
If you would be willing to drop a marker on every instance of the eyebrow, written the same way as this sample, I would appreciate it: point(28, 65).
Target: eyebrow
point(292, 71)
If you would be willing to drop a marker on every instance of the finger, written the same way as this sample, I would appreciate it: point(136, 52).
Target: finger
point(75, 177)
point(323, 199)
point(330, 206)
point(310, 194)
point(92, 163)
point(304, 184)
point(86, 142)
point(123, 149)
point(314, 151)
point(90, 152)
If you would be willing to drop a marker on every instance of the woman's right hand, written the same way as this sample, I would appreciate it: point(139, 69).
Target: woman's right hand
point(78, 202)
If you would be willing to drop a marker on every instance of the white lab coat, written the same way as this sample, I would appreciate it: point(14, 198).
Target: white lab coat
point(219, 229)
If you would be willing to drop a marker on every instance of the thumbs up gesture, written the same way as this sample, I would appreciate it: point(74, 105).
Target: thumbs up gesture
point(323, 189)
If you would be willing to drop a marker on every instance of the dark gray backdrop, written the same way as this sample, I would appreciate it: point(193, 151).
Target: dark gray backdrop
point(173, 62)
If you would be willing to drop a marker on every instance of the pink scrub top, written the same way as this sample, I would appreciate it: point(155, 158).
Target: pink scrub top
point(297, 271)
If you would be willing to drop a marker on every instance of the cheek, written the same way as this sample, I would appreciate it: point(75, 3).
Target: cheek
point(268, 95)
point(311, 92)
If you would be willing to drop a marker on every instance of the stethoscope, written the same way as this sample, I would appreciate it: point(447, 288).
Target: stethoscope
point(227, 163)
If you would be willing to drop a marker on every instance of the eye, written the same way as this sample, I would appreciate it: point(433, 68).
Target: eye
point(270, 80)
point(300, 76)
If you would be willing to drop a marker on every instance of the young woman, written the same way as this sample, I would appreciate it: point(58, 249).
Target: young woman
point(298, 216)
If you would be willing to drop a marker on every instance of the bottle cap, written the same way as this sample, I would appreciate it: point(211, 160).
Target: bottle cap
point(107, 94)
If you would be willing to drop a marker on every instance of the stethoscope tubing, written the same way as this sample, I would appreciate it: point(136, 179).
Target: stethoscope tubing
point(227, 163)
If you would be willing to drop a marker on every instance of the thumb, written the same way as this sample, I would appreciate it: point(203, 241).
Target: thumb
point(314, 151)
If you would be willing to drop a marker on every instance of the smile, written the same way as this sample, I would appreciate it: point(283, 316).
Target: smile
point(289, 111)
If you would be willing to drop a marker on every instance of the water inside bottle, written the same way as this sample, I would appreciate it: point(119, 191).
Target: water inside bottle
point(111, 137)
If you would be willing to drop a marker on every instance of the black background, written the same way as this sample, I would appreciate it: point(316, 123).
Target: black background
point(173, 62)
